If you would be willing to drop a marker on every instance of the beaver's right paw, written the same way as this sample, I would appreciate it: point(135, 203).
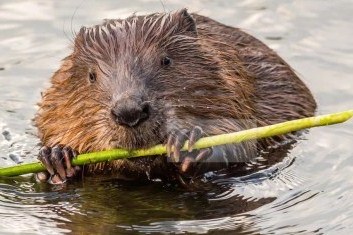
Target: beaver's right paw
point(188, 160)
point(57, 161)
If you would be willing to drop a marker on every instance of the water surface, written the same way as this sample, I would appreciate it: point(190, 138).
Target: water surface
point(309, 190)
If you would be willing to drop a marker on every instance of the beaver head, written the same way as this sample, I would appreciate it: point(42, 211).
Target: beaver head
point(127, 83)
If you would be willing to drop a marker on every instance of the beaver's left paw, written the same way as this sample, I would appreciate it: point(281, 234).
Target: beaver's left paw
point(187, 160)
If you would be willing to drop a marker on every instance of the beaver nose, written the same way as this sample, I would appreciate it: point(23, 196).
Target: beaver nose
point(130, 113)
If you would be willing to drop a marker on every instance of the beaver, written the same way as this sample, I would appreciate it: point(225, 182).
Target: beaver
point(163, 78)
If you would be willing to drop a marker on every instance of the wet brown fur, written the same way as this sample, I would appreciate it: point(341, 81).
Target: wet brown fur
point(220, 75)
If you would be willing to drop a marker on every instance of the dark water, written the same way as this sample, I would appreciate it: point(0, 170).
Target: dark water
point(307, 191)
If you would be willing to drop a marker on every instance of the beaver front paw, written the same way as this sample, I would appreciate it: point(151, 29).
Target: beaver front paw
point(187, 161)
point(57, 161)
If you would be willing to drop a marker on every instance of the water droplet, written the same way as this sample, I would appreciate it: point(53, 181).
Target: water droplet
point(7, 135)
point(16, 158)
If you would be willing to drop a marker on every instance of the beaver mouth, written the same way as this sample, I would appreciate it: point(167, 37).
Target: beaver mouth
point(144, 135)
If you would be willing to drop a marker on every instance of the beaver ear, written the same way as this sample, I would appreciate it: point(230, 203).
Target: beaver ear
point(63, 73)
point(187, 22)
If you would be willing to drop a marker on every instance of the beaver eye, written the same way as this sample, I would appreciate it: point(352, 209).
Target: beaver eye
point(92, 77)
point(166, 61)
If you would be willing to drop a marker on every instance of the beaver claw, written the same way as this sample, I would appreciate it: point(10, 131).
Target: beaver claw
point(186, 160)
point(57, 161)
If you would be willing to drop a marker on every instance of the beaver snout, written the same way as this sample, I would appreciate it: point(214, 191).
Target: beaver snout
point(129, 112)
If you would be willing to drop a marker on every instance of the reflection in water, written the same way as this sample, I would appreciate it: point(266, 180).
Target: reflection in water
point(304, 189)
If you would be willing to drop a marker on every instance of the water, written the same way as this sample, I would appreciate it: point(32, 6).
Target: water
point(306, 191)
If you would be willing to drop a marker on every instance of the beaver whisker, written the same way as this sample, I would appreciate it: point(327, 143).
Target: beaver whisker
point(88, 124)
point(99, 102)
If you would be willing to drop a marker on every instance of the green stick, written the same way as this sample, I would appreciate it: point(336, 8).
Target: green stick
point(236, 137)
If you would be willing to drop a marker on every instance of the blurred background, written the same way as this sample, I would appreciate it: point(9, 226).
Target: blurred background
point(309, 191)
